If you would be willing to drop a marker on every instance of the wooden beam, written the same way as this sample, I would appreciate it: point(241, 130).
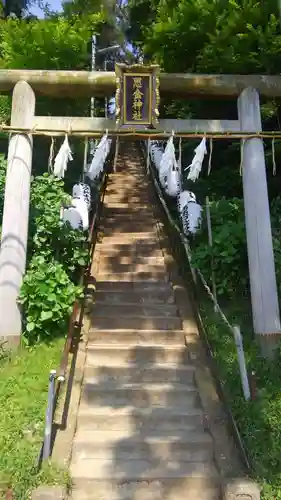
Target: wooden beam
point(60, 84)
point(72, 123)
point(99, 83)
point(199, 125)
point(78, 124)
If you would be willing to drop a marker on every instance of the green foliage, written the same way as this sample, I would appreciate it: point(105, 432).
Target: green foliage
point(23, 396)
point(47, 295)
point(257, 420)
point(229, 251)
point(49, 236)
point(226, 37)
point(55, 43)
point(56, 254)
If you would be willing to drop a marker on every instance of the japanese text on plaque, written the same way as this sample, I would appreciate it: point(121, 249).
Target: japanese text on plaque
point(137, 98)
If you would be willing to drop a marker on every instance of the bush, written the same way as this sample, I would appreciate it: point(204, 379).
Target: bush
point(229, 249)
point(55, 256)
point(258, 420)
point(49, 236)
point(47, 295)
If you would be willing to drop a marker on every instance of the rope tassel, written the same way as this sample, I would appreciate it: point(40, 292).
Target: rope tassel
point(210, 157)
point(273, 157)
point(242, 156)
point(51, 156)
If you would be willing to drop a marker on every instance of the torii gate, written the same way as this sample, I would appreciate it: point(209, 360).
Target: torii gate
point(26, 83)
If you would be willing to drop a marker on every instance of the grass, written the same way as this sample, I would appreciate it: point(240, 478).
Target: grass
point(23, 397)
point(258, 421)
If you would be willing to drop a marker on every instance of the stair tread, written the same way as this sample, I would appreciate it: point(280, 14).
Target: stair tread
point(146, 367)
point(136, 469)
point(135, 310)
point(151, 436)
point(142, 285)
point(94, 385)
point(147, 346)
point(142, 412)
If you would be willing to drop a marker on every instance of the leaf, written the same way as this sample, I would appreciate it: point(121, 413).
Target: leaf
point(30, 327)
point(45, 315)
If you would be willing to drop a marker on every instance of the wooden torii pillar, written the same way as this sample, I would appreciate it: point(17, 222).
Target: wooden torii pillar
point(265, 307)
point(264, 296)
point(16, 215)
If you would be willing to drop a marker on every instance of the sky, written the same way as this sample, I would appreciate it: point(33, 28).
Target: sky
point(54, 5)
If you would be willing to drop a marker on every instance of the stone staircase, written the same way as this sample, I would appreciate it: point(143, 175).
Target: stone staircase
point(141, 430)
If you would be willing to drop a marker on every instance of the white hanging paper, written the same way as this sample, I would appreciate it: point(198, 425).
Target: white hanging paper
point(64, 155)
point(77, 215)
point(190, 212)
point(99, 158)
point(82, 191)
point(72, 216)
point(196, 165)
point(168, 161)
point(173, 182)
point(156, 153)
point(194, 217)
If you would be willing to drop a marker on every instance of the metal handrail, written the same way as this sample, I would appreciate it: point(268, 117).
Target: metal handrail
point(57, 377)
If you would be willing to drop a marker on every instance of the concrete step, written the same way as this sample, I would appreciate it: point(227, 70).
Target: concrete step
point(146, 224)
point(129, 237)
point(134, 190)
point(142, 286)
point(149, 373)
point(132, 256)
point(135, 297)
point(119, 268)
point(112, 395)
point(114, 230)
point(137, 322)
point(152, 446)
point(131, 180)
point(136, 470)
point(130, 206)
point(143, 247)
point(131, 338)
point(131, 194)
point(140, 420)
point(187, 488)
point(122, 211)
point(129, 200)
point(136, 355)
point(152, 276)
point(101, 310)
point(128, 224)
point(143, 252)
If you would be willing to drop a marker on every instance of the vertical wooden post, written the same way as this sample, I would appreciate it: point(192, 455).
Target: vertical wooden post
point(16, 214)
point(265, 307)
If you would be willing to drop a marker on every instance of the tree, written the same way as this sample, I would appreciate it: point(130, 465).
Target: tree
point(15, 7)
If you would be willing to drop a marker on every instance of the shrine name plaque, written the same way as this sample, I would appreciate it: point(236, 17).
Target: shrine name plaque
point(137, 95)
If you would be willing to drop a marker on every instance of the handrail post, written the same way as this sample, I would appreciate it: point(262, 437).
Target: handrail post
point(49, 416)
point(16, 214)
